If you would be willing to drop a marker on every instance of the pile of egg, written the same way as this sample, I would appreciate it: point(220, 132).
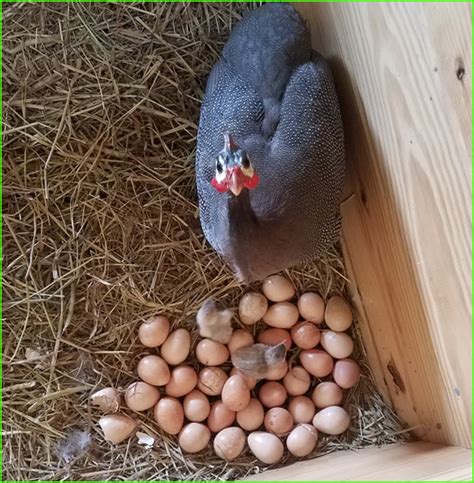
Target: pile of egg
point(295, 401)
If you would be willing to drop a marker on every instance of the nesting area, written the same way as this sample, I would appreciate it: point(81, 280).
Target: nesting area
point(285, 381)
point(101, 231)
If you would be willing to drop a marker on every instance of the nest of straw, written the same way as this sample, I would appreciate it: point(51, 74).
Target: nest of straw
point(101, 230)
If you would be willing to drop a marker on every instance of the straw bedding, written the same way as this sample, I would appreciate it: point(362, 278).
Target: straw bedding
point(100, 110)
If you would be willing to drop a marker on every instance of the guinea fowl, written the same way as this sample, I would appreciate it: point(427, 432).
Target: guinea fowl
point(270, 149)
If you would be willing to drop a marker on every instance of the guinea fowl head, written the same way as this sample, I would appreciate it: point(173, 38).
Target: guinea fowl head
point(234, 171)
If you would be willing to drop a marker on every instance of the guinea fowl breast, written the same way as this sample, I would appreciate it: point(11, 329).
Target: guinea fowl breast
point(270, 150)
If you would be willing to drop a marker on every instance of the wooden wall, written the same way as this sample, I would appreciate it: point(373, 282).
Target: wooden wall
point(403, 73)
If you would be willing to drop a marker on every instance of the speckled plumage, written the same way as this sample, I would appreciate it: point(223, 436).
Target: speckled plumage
point(277, 99)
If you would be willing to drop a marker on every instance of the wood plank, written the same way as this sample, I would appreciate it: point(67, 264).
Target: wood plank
point(403, 73)
point(410, 462)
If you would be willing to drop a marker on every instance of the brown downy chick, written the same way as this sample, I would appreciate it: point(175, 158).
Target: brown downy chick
point(215, 321)
point(257, 359)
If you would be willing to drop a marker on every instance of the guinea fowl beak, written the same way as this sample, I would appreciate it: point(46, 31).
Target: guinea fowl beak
point(236, 184)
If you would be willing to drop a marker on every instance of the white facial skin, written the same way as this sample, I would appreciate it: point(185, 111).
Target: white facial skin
point(232, 167)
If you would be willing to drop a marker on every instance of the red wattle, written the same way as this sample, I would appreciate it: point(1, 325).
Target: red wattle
point(221, 187)
point(252, 182)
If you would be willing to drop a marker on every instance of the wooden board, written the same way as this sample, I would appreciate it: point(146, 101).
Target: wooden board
point(411, 462)
point(403, 73)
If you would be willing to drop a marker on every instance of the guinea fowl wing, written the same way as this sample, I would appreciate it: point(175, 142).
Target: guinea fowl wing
point(306, 159)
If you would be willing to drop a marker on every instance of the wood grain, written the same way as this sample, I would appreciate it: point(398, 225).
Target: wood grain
point(411, 462)
point(403, 73)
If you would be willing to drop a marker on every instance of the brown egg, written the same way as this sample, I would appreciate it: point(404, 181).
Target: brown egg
point(211, 353)
point(107, 400)
point(302, 440)
point(240, 338)
point(278, 421)
point(176, 347)
point(337, 344)
point(265, 446)
point(317, 362)
point(194, 437)
point(302, 409)
point(117, 427)
point(229, 443)
point(169, 415)
point(346, 373)
point(140, 396)
point(282, 315)
point(251, 418)
point(327, 394)
point(154, 331)
point(272, 394)
point(251, 381)
point(220, 417)
point(338, 315)
point(235, 393)
point(277, 372)
point(278, 289)
point(196, 406)
point(153, 370)
point(311, 307)
point(332, 420)
point(252, 308)
point(275, 336)
point(297, 381)
point(211, 380)
point(305, 335)
point(183, 380)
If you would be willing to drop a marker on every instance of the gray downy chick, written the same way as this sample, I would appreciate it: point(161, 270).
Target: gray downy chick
point(257, 359)
point(215, 321)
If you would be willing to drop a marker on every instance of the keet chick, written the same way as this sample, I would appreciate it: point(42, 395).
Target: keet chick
point(215, 321)
point(257, 359)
